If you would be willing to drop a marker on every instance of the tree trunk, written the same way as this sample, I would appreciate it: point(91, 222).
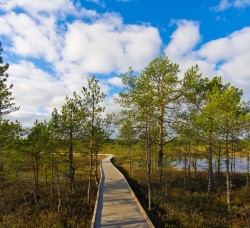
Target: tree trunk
point(132, 169)
point(219, 158)
point(148, 158)
point(71, 167)
point(195, 165)
point(248, 169)
point(58, 193)
point(185, 171)
point(233, 155)
point(154, 162)
point(52, 181)
point(46, 177)
point(36, 177)
point(229, 193)
point(90, 177)
point(130, 164)
point(210, 167)
point(189, 161)
point(96, 165)
point(170, 171)
point(160, 143)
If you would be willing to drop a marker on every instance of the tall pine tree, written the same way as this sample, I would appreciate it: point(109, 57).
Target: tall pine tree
point(6, 100)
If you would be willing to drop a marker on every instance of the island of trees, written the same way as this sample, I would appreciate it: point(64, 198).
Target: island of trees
point(179, 143)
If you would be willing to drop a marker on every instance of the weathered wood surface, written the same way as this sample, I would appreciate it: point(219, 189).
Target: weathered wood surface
point(117, 206)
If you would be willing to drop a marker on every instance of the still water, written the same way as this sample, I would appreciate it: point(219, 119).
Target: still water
point(240, 165)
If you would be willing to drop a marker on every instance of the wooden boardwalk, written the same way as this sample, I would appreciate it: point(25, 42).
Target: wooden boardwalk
point(116, 205)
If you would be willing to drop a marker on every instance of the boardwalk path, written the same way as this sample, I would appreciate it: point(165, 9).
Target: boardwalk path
point(116, 206)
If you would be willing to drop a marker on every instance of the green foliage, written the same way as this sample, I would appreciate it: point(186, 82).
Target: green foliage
point(6, 101)
point(95, 126)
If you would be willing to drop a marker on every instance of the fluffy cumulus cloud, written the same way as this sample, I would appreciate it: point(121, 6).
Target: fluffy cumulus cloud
point(39, 33)
point(228, 47)
point(232, 56)
point(31, 38)
point(108, 45)
point(228, 57)
point(184, 38)
point(183, 45)
point(35, 91)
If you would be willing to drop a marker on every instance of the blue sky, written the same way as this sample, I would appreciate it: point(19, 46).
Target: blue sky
point(53, 46)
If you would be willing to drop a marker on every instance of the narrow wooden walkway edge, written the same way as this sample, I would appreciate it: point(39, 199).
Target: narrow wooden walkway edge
point(97, 204)
point(97, 198)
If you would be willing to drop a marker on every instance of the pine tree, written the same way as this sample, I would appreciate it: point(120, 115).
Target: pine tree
point(89, 105)
point(162, 79)
point(8, 130)
point(128, 132)
point(230, 112)
point(6, 100)
point(35, 145)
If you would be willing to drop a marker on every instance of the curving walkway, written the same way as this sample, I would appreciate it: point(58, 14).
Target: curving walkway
point(116, 205)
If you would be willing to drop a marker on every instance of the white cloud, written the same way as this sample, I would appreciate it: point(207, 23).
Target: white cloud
point(115, 81)
point(110, 105)
point(184, 39)
point(223, 5)
point(28, 118)
point(181, 48)
point(108, 45)
point(35, 91)
point(228, 57)
point(98, 2)
point(228, 47)
point(241, 3)
point(41, 6)
point(231, 55)
point(226, 4)
point(31, 38)
point(37, 29)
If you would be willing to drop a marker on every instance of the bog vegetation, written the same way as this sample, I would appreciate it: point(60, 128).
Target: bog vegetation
point(49, 172)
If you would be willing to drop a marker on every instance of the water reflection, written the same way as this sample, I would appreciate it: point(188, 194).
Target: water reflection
point(239, 165)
